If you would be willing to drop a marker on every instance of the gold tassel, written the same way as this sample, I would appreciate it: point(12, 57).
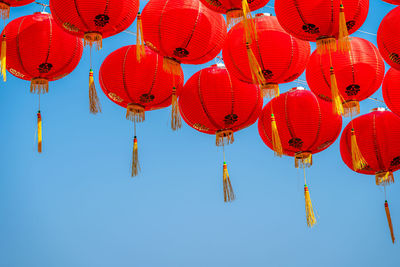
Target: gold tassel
point(39, 131)
point(172, 66)
point(4, 11)
point(351, 108)
point(135, 159)
point(3, 65)
point(343, 38)
point(326, 45)
point(176, 121)
point(276, 140)
point(255, 69)
point(270, 90)
point(311, 221)
point(229, 195)
point(94, 102)
point(336, 98)
point(389, 219)
point(384, 178)
point(224, 137)
point(140, 50)
point(248, 23)
point(357, 158)
point(135, 113)
point(234, 16)
point(303, 160)
point(39, 86)
point(93, 38)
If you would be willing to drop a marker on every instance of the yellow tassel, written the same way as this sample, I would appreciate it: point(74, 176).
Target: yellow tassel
point(224, 137)
point(326, 45)
point(176, 121)
point(3, 65)
point(336, 98)
point(135, 159)
point(357, 158)
point(135, 112)
point(93, 38)
point(248, 23)
point(351, 108)
point(270, 90)
point(172, 66)
point(303, 160)
point(39, 86)
point(94, 102)
point(343, 38)
point(140, 50)
point(276, 140)
point(384, 178)
point(39, 131)
point(229, 195)
point(255, 69)
point(389, 219)
point(234, 16)
point(311, 221)
point(4, 11)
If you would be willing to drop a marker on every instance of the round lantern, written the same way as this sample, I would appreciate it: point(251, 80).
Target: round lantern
point(6, 4)
point(183, 31)
point(371, 139)
point(358, 73)
point(388, 38)
point(274, 57)
point(299, 124)
point(137, 86)
point(391, 90)
point(322, 21)
point(214, 102)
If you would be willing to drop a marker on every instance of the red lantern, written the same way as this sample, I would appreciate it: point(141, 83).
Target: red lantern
point(6, 4)
point(394, 2)
point(137, 86)
point(375, 135)
point(391, 90)
point(214, 102)
point(275, 56)
point(183, 31)
point(359, 74)
point(322, 21)
point(388, 38)
point(299, 124)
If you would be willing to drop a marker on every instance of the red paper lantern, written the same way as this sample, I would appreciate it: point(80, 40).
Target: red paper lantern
point(137, 86)
point(183, 31)
point(279, 57)
point(388, 38)
point(394, 2)
point(391, 90)
point(6, 4)
point(359, 74)
point(214, 102)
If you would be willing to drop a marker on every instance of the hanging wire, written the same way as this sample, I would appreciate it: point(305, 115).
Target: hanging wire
point(130, 32)
point(44, 6)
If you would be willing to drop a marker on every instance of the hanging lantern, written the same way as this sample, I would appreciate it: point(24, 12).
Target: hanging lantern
point(375, 135)
point(275, 57)
point(6, 4)
point(388, 38)
point(322, 21)
point(299, 124)
point(137, 86)
point(39, 51)
point(391, 90)
point(183, 31)
point(359, 74)
point(214, 102)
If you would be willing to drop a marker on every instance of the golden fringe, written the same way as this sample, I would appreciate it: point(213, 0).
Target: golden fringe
point(140, 50)
point(234, 16)
point(93, 38)
point(343, 38)
point(248, 23)
point(303, 160)
point(357, 158)
point(276, 140)
point(39, 86)
point(270, 90)
point(336, 98)
point(224, 137)
point(4, 11)
point(389, 219)
point(135, 159)
point(384, 178)
point(255, 69)
point(39, 131)
point(3, 56)
point(326, 45)
point(135, 112)
point(176, 121)
point(311, 221)
point(351, 108)
point(94, 102)
point(229, 195)
point(171, 66)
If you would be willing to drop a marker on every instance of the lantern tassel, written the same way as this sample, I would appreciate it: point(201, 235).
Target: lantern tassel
point(303, 160)
point(311, 221)
point(229, 195)
point(140, 50)
point(176, 121)
point(39, 86)
point(326, 45)
point(276, 141)
point(270, 90)
point(39, 131)
point(351, 108)
point(343, 38)
point(255, 69)
point(4, 11)
point(336, 99)
point(384, 178)
point(94, 102)
point(389, 219)
point(172, 66)
point(357, 158)
point(135, 158)
point(93, 38)
point(135, 113)
point(3, 65)
point(224, 138)
point(234, 16)
point(248, 23)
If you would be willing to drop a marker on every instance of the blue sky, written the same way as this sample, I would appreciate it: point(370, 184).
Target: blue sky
point(76, 205)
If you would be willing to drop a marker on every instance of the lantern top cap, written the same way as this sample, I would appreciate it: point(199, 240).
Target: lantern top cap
point(264, 14)
point(379, 109)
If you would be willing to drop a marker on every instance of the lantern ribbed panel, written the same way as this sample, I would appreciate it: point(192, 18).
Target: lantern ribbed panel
point(16, 2)
point(126, 81)
point(388, 38)
point(38, 48)
point(308, 19)
point(282, 58)
point(107, 17)
point(183, 29)
point(305, 123)
point(377, 135)
point(213, 100)
point(359, 73)
point(394, 2)
point(223, 6)
point(391, 90)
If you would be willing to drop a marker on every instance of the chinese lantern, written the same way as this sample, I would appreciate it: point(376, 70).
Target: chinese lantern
point(299, 124)
point(137, 86)
point(215, 102)
point(394, 2)
point(391, 90)
point(359, 74)
point(93, 21)
point(374, 135)
point(274, 57)
point(388, 40)
point(6, 4)
point(39, 51)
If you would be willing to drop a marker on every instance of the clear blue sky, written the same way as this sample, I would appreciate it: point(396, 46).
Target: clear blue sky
point(76, 205)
